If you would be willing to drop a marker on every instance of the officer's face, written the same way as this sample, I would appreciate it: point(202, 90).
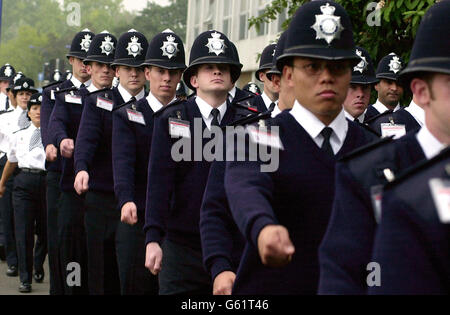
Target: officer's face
point(357, 100)
point(212, 78)
point(101, 74)
point(163, 82)
point(35, 114)
point(3, 86)
point(79, 69)
point(269, 86)
point(389, 92)
point(319, 85)
point(22, 98)
point(131, 79)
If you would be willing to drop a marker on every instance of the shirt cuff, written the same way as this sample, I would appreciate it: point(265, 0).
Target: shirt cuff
point(259, 224)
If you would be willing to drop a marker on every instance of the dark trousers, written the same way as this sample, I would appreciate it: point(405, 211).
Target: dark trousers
point(135, 279)
point(30, 219)
point(101, 222)
point(72, 243)
point(53, 194)
point(182, 271)
point(7, 214)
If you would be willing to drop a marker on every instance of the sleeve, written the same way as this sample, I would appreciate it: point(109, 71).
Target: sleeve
point(59, 120)
point(346, 247)
point(249, 193)
point(46, 110)
point(160, 184)
point(89, 136)
point(12, 150)
point(124, 158)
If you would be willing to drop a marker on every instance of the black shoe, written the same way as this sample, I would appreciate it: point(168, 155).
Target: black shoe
point(2, 253)
point(12, 271)
point(38, 276)
point(25, 287)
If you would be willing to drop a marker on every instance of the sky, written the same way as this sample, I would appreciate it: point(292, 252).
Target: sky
point(136, 5)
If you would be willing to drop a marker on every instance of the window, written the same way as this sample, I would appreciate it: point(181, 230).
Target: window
point(211, 14)
point(263, 27)
point(197, 15)
point(227, 9)
point(243, 20)
point(281, 19)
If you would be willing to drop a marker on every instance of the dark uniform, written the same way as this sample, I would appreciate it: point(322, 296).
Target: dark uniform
point(266, 62)
point(401, 117)
point(93, 154)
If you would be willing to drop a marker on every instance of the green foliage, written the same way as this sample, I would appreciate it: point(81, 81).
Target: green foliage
point(399, 23)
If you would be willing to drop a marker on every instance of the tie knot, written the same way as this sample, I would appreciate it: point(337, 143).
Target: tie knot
point(326, 133)
point(272, 106)
point(82, 85)
point(132, 99)
point(215, 113)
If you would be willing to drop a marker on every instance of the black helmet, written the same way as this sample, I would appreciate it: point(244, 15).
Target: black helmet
point(7, 72)
point(266, 61)
point(57, 76)
point(35, 99)
point(320, 29)
point(24, 84)
point(236, 53)
point(181, 90)
point(278, 52)
point(131, 49)
point(431, 49)
point(14, 79)
point(166, 50)
point(102, 48)
point(252, 88)
point(80, 44)
point(389, 67)
point(364, 71)
point(212, 47)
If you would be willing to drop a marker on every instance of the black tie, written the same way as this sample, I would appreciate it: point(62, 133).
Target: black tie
point(271, 107)
point(7, 103)
point(215, 113)
point(132, 99)
point(356, 120)
point(82, 86)
point(326, 145)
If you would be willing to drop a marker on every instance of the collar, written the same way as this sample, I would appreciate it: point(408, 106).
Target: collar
point(232, 93)
point(205, 108)
point(314, 126)
point(276, 111)
point(92, 88)
point(417, 112)
point(127, 96)
point(383, 108)
point(430, 145)
point(77, 83)
point(154, 103)
point(350, 117)
point(267, 100)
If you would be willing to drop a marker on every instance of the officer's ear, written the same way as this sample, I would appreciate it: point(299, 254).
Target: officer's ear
point(423, 94)
point(288, 74)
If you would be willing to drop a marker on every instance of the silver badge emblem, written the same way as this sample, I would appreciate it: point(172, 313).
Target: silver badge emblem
point(57, 76)
point(134, 47)
point(107, 46)
point(363, 64)
point(252, 88)
point(8, 71)
point(40, 98)
point(25, 85)
point(216, 45)
point(395, 65)
point(17, 77)
point(86, 42)
point(170, 48)
point(328, 26)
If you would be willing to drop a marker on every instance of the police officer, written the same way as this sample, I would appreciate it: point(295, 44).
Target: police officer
point(93, 159)
point(7, 72)
point(412, 239)
point(175, 190)
point(348, 244)
point(283, 215)
point(131, 144)
point(65, 222)
point(26, 152)
point(269, 97)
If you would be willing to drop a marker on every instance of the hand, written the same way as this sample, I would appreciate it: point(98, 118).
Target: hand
point(274, 246)
point(81, 183)
point(51, 153)
point(129, 213)
point(2, 190)
point(153, 258)
point(223, 283)
point(66, 147)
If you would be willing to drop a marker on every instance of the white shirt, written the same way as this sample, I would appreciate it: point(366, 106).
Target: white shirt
point(232, 94)
point(430, 145)
point(9, 123)
point(154, 103)
point(3, 98)
point(205, 110)
point(314, 126)
point(19, 151)
point(267, 100)
point(127, 96)
point(417, 112)
point(77, 83)
point(350, 117)
point(92, 88)
point(276, 111)
point(380, 107)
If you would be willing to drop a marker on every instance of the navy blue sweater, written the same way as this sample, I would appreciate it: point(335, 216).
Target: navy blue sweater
point(175, 189)
point(412, 244)
point(400, 117)
point(94, 141)
point(347, 246)
point(131, 144)
point(370, 113)
point(65, 120)
point(298, 195)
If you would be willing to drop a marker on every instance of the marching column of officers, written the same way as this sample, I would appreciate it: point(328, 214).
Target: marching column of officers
point(88, 166)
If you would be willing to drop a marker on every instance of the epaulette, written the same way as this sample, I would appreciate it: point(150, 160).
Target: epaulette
point(246, 106)
point(98, 91)
point(390, 111)
point(193, 94)
point(124, 104)
point(445, 154)
point(51, 84)
point(251, 119)
point(72, 88)
point(178, 101)
point(245, 98)
point(366, 148)
point(5, 111)
point(369, 129)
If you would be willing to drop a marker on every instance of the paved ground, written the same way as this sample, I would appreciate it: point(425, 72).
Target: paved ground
point(10, 285)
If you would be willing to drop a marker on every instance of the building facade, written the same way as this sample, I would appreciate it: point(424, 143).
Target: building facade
point(231, 18)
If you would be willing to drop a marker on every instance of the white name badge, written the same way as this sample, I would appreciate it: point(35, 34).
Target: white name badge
point(179, 128)
point(376, 193)
point(388, 130)
point(73, 99)
point(52, 95)
point(105, 104)
point(440, 189)
point(136, 116)
point(265, 137)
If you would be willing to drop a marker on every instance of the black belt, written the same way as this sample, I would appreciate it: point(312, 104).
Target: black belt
point(33, 171)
